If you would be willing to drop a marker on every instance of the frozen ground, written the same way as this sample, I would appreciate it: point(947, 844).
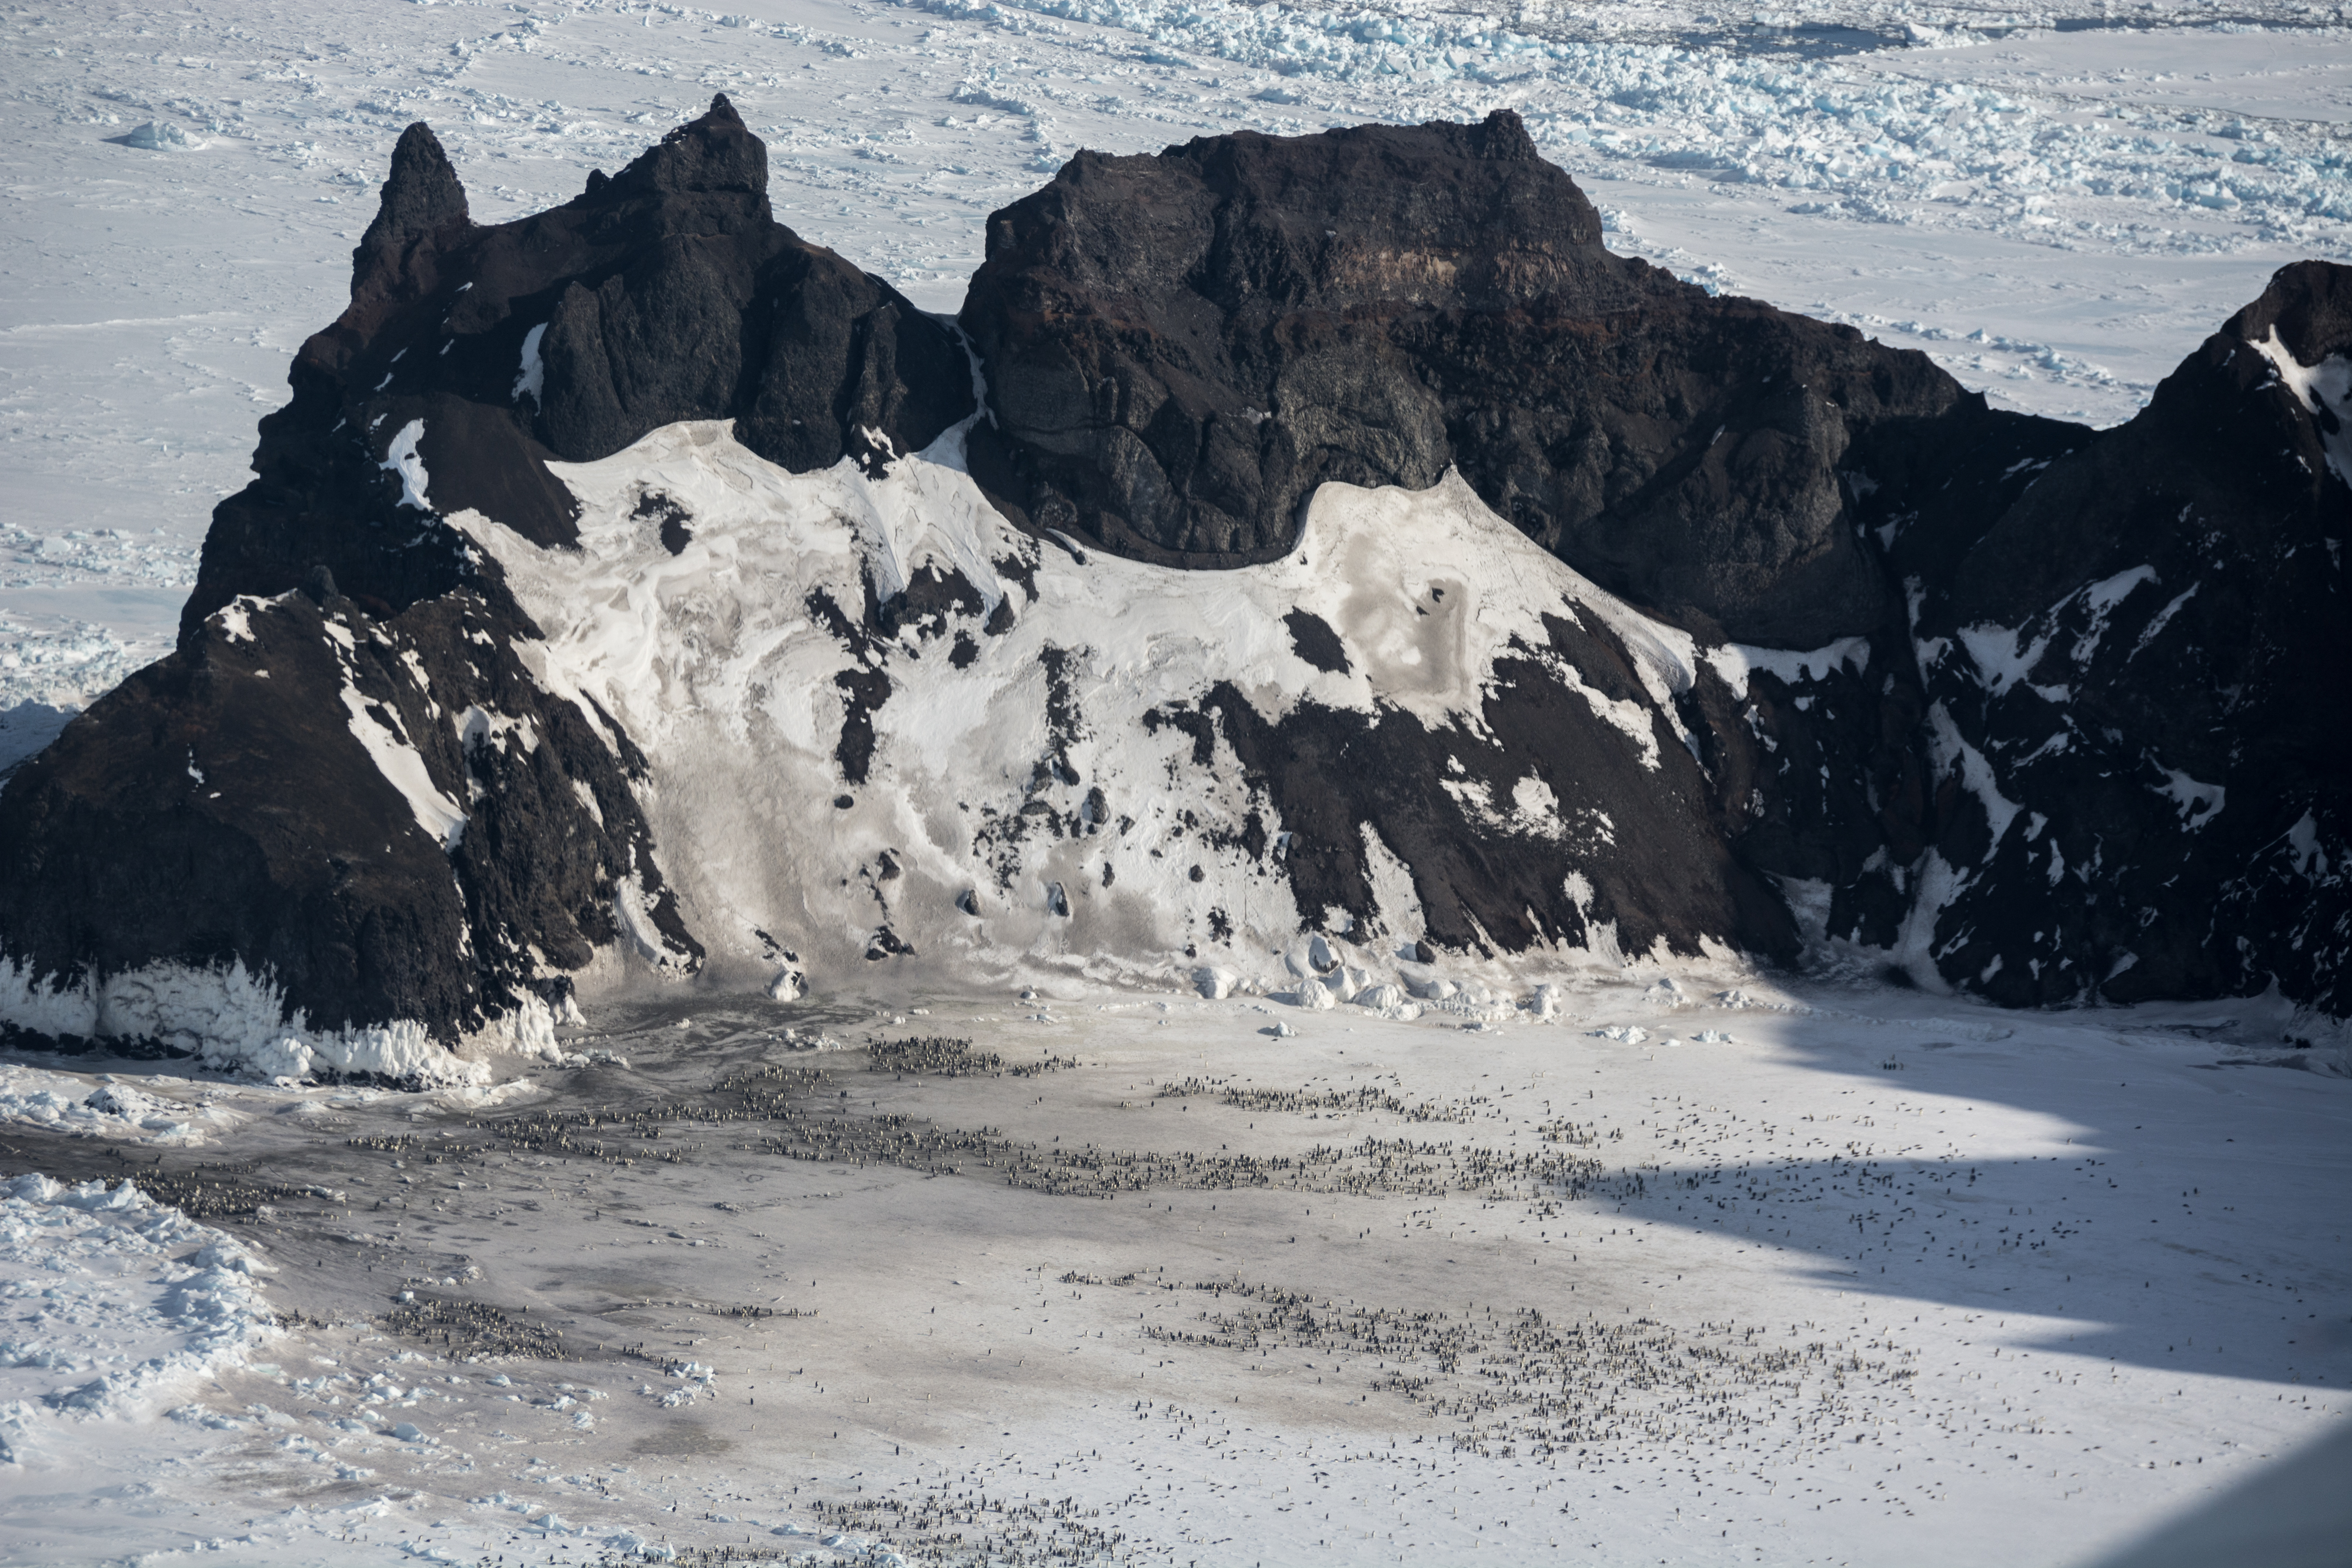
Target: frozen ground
point(2056, 203)
point(1685, 1275)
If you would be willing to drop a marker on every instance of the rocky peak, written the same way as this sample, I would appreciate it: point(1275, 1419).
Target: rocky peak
point(1182, 347)
point(2308, 303)
point(471, 354)
point(716, 154)
point(422, 199)
point(2039, 713)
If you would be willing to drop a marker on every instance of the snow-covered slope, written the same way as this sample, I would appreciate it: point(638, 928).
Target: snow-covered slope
point(1022, 767)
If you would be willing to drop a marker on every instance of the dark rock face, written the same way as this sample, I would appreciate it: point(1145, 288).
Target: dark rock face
point(469, 357)
point(226, 806)
point(1180, 348)
point(2067, 721)
point(2017, 781)
point(2104, 759)
point(2145, 660)
point(667, 292)
point(1645, 862)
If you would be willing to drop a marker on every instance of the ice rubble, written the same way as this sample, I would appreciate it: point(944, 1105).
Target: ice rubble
point(115, 1111)
point(46, 675)
point(1874, 132)
point(719, 658)
point(232, 1019)
point(163, 136)
point(115, 1305)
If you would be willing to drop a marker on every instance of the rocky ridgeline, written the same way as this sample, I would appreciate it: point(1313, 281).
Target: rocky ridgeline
point(2037, 711)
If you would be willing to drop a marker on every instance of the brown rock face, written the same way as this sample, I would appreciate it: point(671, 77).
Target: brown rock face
point(1182, 347)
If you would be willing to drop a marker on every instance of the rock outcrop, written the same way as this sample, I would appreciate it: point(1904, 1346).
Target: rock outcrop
point(1355, 567)
point(1182, 347)
point(342, 779)
point(2140, 692)
point(471, 356)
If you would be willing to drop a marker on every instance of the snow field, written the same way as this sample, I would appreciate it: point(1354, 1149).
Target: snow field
point(721, 661)
point(1141, 1273)
point(2058, 217)
point(115, 1307)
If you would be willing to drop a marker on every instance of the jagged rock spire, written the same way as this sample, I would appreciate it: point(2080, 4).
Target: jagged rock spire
point(421, 197)
point(715, 153)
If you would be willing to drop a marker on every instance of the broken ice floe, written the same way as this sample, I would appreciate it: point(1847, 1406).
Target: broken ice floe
point(161, 136)
point(114, 1110)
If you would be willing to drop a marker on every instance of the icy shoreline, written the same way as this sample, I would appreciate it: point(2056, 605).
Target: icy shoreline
point(229, 1019)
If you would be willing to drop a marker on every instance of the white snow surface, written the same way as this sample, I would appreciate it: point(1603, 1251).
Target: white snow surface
point(715, 663)
point(2057, 217)
point(111, 1307)
point(403, 766)
point(1734, 662)
point(1869, 1276)
point(401, 457)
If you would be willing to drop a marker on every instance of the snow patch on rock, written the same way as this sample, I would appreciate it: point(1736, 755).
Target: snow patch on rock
point(531, 380)
point(401, 457)
point(970, 756)
point(2324, 389)
point(396, 757)
point(1734, 662)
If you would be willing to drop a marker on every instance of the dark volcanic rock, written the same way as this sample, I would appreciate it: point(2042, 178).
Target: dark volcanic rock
point(2066, 650)
point(2104, 758)
point(226, 807)
point(1644, 862)
point(469, 357)
point(663, 293)
point(2139, 680)
point(2011, 706)
point(1180, 348)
